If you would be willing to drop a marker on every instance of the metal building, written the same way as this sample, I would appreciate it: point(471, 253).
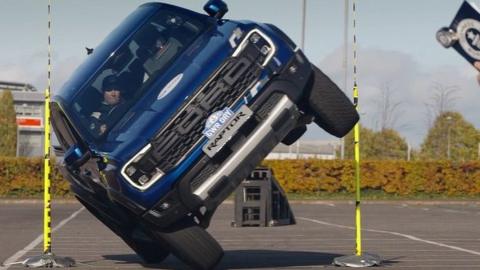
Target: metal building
point(29, 107)
point(305, 149)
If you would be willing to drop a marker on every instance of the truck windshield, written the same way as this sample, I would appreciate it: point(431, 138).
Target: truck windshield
point(129, 70)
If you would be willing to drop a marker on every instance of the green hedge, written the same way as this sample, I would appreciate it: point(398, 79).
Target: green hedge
point(23, 177)
point(394, 177)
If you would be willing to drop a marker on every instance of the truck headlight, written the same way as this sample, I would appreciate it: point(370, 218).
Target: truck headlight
point(140, 172)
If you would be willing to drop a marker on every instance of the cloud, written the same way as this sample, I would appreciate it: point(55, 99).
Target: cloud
point(13, 73)
point(63, 70)
point(411, 84)
point(32, 69)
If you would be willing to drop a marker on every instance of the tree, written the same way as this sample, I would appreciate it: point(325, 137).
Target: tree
point(385, 144)
point(451, 137)
point(388, 107)
point(8, 125)
point(366, 137)
point(442, 100)
point(388, 144)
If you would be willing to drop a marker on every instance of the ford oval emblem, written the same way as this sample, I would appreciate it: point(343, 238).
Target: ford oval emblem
point(170, 86)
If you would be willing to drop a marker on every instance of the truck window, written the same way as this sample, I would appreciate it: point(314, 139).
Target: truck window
point(129, 70)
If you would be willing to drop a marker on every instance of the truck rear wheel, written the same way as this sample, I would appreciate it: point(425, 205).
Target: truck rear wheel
point(192, 244)
point(332, 109)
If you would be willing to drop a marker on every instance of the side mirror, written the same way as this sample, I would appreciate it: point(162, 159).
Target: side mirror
point(216, 8)
point(75, 157)
point(89, 50)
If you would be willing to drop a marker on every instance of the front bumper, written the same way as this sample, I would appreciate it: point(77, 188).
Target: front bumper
point(212, 180)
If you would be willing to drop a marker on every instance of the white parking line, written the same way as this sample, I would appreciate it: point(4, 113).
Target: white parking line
point(411, 237)
point(455, 211)
point(14, 259)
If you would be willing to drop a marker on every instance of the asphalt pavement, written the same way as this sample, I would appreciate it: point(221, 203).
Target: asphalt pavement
point(407, 235)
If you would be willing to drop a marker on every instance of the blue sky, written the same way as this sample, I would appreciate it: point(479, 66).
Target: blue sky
point(396, 47)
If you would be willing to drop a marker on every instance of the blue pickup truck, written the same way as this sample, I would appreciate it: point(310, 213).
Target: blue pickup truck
point(172, 111)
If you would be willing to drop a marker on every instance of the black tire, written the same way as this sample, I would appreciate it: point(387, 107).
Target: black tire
point(333, 111)
point(294, 135)
point(149, 250)
point(192, 244)
point(145, 246)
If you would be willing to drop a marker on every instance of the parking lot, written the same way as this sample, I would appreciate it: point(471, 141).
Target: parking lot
point(407, 235)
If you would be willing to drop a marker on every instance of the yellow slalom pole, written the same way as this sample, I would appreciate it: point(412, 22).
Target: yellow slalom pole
point(358, 218)
point(47, 217)
point(356, 131)
point(360, 258)
point(47, 259)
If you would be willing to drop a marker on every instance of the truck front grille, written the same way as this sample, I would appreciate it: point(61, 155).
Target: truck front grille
point(172, 144)
point(180, 135)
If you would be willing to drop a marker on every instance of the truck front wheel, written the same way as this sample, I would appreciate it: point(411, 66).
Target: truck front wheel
point(146, 247)
point(192, 244)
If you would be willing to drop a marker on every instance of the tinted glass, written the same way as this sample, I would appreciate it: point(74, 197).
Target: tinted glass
point(125, 77)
